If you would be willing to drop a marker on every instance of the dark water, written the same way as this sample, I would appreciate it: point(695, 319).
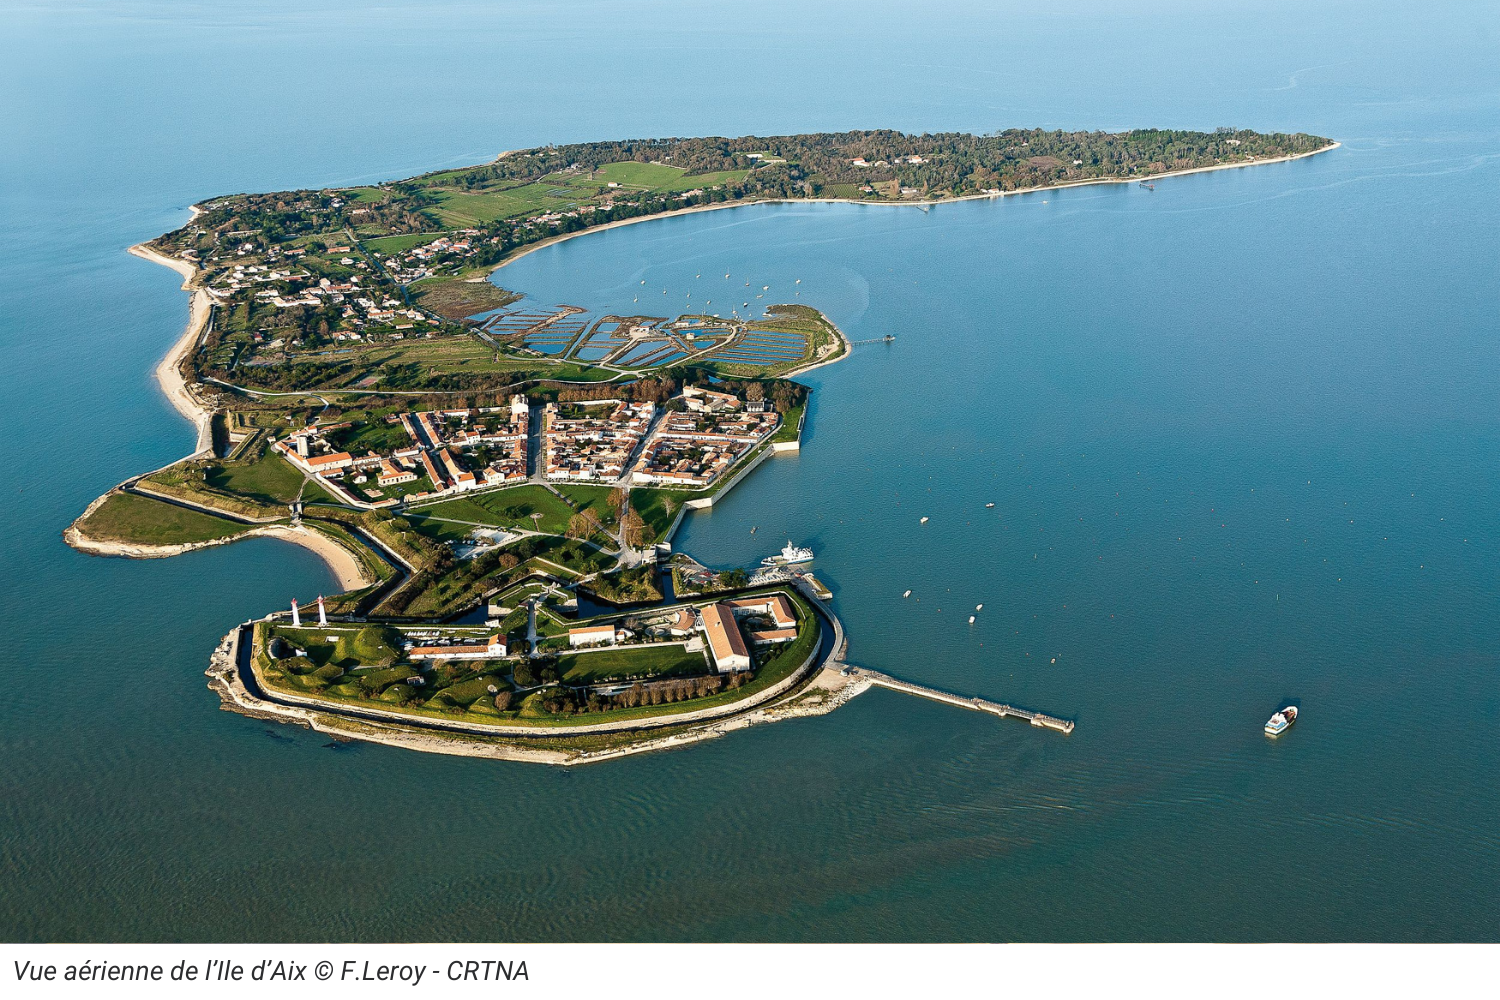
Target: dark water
point(1240, 434)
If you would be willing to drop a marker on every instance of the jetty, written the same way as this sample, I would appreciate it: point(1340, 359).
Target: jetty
point(1038, 719)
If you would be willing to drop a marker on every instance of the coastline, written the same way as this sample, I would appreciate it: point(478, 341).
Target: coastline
point(828, 689)
point(168, 371)
point(927, 203)
point(346, 567)
point(169, 379)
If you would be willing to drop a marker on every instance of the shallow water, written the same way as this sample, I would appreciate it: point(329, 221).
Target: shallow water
point(1240, 433)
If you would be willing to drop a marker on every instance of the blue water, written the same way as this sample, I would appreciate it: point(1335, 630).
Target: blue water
point(1240, 433)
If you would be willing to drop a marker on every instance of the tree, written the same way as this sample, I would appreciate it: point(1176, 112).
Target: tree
point(580, 526)
point(502, 700)
point(618, 498)
point(735, 578)
point(633, 529)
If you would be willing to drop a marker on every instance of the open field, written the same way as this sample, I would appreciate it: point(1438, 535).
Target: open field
point(509, 508)
point(137, 520)
point(632, 662)
point(269, 479)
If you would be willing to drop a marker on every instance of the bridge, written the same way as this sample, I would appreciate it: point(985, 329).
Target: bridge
point(1038, 719)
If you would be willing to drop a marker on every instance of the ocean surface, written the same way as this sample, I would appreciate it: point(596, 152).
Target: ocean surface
point(1242, 435)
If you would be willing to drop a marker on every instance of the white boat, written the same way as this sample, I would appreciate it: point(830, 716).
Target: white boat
point(907, 594)
point(979, 607)
point(989, 505)
point(1281, 721)
point(790, 555)
point(971, 619)
point(923, 521)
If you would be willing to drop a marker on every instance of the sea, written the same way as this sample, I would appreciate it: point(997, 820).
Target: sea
point(1241, 434)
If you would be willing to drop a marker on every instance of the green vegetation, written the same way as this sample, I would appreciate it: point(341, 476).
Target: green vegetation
point(628, 586)
point(268, 479)
point(137, 520)
point(457, 299)
point(630, 663)
point(513, 507)
point(284, 267)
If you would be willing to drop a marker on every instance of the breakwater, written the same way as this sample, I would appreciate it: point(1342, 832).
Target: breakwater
point(1038, 719)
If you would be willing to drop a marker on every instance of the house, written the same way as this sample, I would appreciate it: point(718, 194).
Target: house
point(774, 606)
point(592, 635)
point(773, 635)
point(725, 642)
point(330, 463)
point(496, 647)
point(682, 623)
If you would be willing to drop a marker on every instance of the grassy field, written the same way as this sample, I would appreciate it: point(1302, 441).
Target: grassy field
point(658, 508)
point(508, 508)
point(268, 479)
point(396, 244)
point(632, 662)
point(454, 299)
point(125, 517)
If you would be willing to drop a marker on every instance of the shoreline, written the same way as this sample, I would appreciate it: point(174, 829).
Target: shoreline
point(925, 203)
point(344, 565)
point(828, 690)
point(168, 371)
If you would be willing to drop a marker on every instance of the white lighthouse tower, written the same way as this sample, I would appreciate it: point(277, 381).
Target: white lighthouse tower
point(322, 618)
point(296, 618)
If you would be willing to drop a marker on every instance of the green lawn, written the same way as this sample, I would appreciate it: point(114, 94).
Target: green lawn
point(125, 517)
point(269, 479)
point(507, 508)
point(639, 661)
point(658, 508)
point(396, 244)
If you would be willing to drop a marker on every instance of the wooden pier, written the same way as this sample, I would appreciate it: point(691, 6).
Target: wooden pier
point(1037, 719)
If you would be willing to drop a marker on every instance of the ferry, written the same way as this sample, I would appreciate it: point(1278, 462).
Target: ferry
point(791, 555)
point(1281, 721)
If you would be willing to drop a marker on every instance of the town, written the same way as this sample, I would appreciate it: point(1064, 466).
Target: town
point(688, 442)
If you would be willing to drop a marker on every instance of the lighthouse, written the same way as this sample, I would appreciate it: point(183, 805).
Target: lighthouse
point(322, 618)
point(296, 618)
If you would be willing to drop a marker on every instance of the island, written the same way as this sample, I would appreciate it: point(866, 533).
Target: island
point(496, 482)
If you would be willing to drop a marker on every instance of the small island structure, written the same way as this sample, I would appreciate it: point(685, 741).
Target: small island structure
point(472, 464)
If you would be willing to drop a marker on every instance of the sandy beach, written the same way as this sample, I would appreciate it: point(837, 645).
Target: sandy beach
point(346, 566)
point(169, 369)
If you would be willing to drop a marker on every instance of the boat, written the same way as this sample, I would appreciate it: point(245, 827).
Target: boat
point(923, 521)
point(790, 555)
point(907, 594)
point(971, 619)
point(1281, 721)
point(988, 505)
point(979, 607)
point(752, 530)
